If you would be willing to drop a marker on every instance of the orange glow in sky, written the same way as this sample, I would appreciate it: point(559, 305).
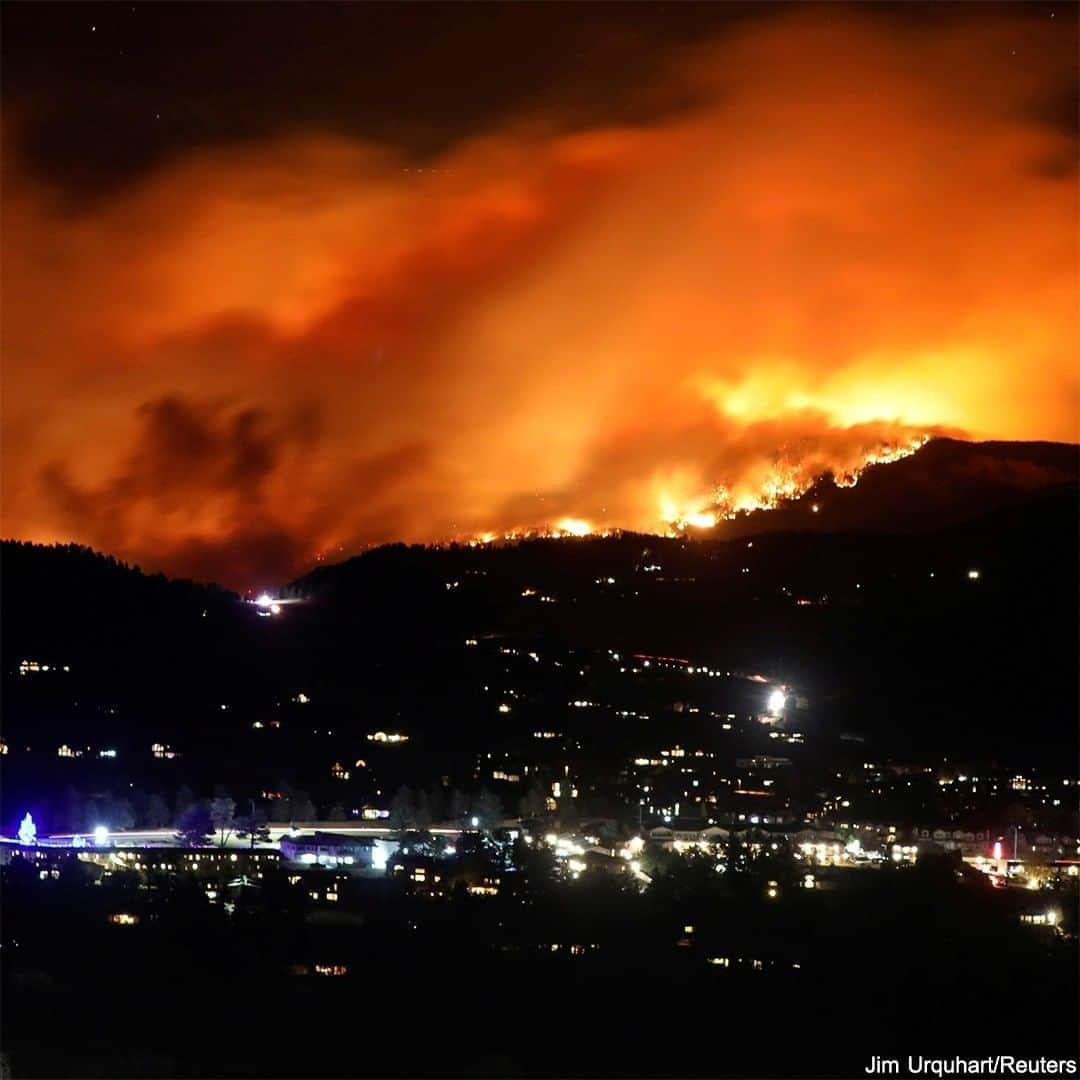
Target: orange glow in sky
point(264, 351)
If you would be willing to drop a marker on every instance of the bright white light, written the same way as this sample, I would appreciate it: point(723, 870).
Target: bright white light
point(776, 702)
point(275, 609)
point(264, 600)
point(973, 575)
point(475, 822)
point(380, 853)
point(27, 831)
point(101, 835)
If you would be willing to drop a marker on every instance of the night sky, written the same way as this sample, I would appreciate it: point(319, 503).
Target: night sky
point(115, 89)
point(282, 280)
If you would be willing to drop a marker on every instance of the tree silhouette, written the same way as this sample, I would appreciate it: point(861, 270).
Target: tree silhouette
point(436, 800)
point(222, 814)
point(459, 806)
point(74, 810)
point(195, 826)
point(185, 798)
point(253, 827)
point(488, 809)
point(402, 809)
point(422, 818)
point(301, 808)
point(533, 803)
point(157, 812)
point(120, 814)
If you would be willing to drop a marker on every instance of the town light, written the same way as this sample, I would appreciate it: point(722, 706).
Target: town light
point(101, 835)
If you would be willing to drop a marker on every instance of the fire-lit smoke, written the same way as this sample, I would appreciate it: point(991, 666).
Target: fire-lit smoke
point(267, 353)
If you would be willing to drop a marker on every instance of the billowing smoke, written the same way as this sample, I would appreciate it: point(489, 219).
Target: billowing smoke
point(269, 352)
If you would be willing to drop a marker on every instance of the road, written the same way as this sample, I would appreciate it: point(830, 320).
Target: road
point(167, 837)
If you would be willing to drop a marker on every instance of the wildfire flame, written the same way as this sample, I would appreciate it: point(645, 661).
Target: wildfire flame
point(784, 483)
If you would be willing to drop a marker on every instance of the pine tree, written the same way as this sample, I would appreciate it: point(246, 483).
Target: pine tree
point(402, 809)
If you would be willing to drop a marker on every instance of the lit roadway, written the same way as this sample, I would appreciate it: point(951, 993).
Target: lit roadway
point(167, 837)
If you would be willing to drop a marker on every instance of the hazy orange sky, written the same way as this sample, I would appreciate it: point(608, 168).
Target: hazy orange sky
point(824, 233)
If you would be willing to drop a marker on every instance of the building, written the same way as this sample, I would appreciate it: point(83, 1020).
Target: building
point(690, 832)
point(334, 849)
point(200, 862)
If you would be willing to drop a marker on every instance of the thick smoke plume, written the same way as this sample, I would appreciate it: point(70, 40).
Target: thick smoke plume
point(263, 354)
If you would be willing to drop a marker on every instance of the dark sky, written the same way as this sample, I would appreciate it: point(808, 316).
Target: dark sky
point(284, 279)
point(104, 90)
point(110, 88)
